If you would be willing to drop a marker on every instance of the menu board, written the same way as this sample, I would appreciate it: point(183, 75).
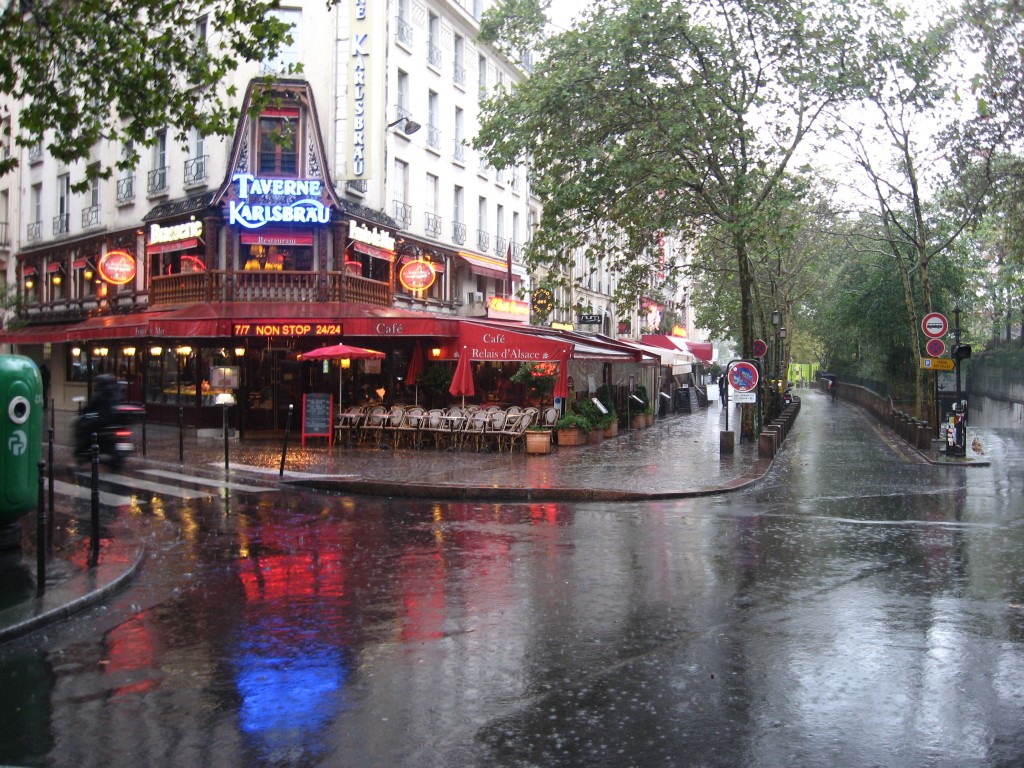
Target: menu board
point(316, 416)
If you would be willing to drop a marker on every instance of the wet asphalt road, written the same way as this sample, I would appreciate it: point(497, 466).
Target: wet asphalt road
point(849, 610)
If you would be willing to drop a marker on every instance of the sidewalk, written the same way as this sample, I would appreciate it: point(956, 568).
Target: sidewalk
point(677, 457)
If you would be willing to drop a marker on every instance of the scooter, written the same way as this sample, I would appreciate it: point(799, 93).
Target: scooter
point(115, 437)
point(787, 396)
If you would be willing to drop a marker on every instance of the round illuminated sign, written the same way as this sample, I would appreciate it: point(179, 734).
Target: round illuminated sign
point(543, 302)
point(117, 267)
point(417, 275)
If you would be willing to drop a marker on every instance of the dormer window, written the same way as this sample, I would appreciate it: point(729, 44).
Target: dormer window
point(278, 143)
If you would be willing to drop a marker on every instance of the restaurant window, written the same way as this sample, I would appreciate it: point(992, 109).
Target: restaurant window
point(176, 263)
point(269, 258)
point(85, 278)
point(278, 145)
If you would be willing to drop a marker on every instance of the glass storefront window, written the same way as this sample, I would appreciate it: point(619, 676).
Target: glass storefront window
point(276, 257)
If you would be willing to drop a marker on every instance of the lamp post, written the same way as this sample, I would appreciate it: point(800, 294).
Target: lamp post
point(782, 354)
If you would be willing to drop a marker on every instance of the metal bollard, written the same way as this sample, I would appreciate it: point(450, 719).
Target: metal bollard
point(227, 461)
point(287, 430)
point(181, 435)
point(49, 525)
point(95, 502)
point(41, 537)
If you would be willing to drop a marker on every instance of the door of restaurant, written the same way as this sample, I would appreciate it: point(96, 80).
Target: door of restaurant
point(274, 383)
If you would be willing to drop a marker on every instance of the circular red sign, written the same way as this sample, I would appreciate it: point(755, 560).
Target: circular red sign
point(743, 376)
point(934, 325)
point(935, 347)
point(760, 348)
point(117, 267)
point(417, 275)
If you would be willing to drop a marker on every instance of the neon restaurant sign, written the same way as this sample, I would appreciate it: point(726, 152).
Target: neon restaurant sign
point(277, 201)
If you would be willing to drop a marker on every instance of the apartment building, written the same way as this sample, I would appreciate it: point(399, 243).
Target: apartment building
point(349, 209)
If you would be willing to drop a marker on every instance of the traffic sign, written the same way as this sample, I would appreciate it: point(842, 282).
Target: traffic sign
point(760, 348)
point(743, 376)
point(934, 325)
point(935, 347)
point(937, 363)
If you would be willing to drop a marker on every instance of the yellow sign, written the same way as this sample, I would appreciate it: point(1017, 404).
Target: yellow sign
point(937, 363)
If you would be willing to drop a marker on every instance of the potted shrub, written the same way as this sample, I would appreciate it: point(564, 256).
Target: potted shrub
point(589, 411)
point(609, 423)
point(572, 429)
point(639, 412)
point(538, 440)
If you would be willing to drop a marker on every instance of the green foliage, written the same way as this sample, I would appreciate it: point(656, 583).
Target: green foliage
point(537, 377)
point(604, 394)
point(641, 392)
point(122, 71)
point(437, 378)
point(645, 119)
point(574, 421)
point(587, 410)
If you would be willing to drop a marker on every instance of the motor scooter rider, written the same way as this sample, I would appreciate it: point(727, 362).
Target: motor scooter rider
point(98, 413)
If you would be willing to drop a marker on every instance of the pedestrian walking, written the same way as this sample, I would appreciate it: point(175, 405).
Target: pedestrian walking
point(721, 388)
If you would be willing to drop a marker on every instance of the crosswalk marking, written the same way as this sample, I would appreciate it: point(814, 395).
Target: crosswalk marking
point(161, 488)
point(229, 485)
point(84, 492)
point(287, 473)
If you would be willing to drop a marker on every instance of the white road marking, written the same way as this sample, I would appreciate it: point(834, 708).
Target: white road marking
point(287, 472)
point(161, 488)
point(209, 481)
point(84, 492)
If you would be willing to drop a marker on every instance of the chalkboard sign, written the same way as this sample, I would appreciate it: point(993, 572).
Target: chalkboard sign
point(317, 410)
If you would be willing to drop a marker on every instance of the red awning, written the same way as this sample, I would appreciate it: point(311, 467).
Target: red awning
point(703, 351)
point(373, 250)
point(112, 327)
point(39, 334)
point(176, 245)
point(502, 344)
point(488, 266)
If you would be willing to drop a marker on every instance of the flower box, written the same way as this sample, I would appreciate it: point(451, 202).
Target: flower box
point(595, 436)
point(571, 436)
point(613, 430)
point(639, 421)
point(538, 441)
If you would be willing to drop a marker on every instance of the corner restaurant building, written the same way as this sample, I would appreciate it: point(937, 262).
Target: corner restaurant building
point(220, 291)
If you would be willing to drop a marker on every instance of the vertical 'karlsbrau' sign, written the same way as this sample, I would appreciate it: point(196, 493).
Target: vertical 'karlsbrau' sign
point(359, 89)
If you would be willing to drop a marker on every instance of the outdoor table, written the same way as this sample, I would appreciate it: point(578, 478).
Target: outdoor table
point(453, 426)
point(349, 422)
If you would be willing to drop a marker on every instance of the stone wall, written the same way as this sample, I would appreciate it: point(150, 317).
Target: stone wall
point(995, 389)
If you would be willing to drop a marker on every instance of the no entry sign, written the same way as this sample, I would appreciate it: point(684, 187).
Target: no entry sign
point(743, 376)
point(934, 325)
point(760, 348)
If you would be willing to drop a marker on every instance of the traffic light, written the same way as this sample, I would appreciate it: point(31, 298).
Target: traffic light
point(961, 352)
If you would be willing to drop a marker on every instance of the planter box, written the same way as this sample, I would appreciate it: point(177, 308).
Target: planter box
point(649, 418)
point(571, 437)
point(538, 442)
point(595, 436)
point(613, 430)
point(639, 421)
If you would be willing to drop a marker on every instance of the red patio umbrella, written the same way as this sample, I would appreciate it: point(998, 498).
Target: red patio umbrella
point(462, 381)
point(341, 352)
point(415, 368)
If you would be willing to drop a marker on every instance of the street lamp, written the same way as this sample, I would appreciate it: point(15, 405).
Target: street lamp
point(782, 353)
point(409, 126)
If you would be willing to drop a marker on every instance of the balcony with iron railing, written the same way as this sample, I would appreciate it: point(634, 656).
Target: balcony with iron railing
point(157, 181)
point(433, 137)
point(90, 217)
point(432, 225)
point(196, 170)
point(35, 153)
point(34, 231)
point(279, 286)
point(356, 186)
point(403, 31)
point(459, 152)
point(500, 246)
point(125, 189)
point(483, 240)
point(5, 238)
point(403, 213)
point(434, 55)
point(458, 233)
point(459, 74)
point(61, 224)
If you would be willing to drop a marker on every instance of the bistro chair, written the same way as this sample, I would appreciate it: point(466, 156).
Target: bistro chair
point(391, 426)
point(515, 429)
point(454, 421)
point(373, 422)
point(410, 426)
point(348, 422)
point(550, 416)
point(495, 426)
point(433, 426)
point(475, 429)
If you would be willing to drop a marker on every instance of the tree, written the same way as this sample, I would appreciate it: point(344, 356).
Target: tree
point(118, 71)
point(666, 116)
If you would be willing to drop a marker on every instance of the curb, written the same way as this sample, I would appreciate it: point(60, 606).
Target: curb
point(41, 615)
point(449, 492)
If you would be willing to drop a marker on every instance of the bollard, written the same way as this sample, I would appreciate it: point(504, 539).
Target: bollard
point(181, 435)
point(49, 524)
point(41, 537)
point(227, 463)
point(287, 430)
point(924, 435)
point(94, 516)
point(143, 431)
point(726, 442)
